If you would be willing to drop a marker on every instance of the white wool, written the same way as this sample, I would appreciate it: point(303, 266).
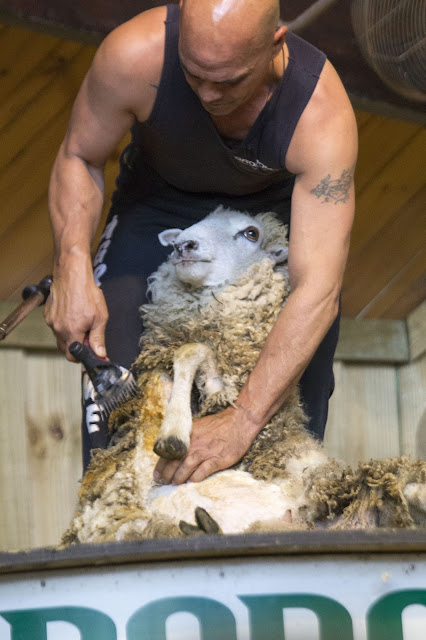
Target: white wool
point(285, 470)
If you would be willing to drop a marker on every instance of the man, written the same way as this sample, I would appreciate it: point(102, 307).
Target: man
point(225, 108)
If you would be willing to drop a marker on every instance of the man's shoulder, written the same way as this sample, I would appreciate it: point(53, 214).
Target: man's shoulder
point(326, 119)
point(139, 42)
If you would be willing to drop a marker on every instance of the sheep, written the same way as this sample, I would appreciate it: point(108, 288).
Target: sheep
point(212, 306)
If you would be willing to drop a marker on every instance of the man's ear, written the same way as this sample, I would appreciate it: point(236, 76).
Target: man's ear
point(168, 236)
point(279, 38)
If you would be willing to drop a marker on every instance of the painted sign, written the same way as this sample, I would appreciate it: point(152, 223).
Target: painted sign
point(294, 598)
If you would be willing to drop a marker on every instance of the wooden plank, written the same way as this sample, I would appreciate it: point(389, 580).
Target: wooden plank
point(15, 516)
point(40, 270)
point(39, 70)
point(13, 45)
point(403, 294)
point(370, 270)
point(98, 16)
point(380, 140)
point(416, 322)
point(23, 187)
point(372, 341)
point(389, 193)
point(23, 184)
point(44, 108)
point(412, 393)
point(421, 437)
point(362, 118)
point(26, 243)
point(283, 545)
point(363, 417)
point(412, 295)
point(54, 455)
point(32, 333)
point(37, 47)
point(25, 181)
point(337, 423)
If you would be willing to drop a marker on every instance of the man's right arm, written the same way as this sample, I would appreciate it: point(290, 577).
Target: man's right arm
point(117, 88)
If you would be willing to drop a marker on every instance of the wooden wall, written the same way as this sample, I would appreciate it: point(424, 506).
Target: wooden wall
point(39, 78)
point(378, 407)
point(39, 446)
point(376, 411)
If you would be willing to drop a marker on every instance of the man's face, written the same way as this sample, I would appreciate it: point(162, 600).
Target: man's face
point(223, 83)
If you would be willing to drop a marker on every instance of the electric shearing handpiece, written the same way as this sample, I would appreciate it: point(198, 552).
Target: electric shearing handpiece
point(113, 384)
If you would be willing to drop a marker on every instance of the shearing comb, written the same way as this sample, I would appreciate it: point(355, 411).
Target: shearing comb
point(112, 383)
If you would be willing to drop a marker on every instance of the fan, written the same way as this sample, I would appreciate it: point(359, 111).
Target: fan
point(392, 37)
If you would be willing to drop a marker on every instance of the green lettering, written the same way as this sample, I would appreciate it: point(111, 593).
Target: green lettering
point(384, 618)
point(266, 612)
point(31, 624)
point(216, 621)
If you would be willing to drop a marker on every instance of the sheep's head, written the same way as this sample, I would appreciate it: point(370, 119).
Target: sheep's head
point(223, 245)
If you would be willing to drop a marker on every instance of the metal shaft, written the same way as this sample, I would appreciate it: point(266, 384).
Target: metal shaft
point(309, 16)
point(21, 312)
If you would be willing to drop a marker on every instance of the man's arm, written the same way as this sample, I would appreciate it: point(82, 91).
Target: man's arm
point(323, 154)
point(118, 87)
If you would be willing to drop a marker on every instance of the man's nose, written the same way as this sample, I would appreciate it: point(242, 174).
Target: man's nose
point(209, 92)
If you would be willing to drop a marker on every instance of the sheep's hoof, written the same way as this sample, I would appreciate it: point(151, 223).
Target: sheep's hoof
point(205, 524)
point(172, 448)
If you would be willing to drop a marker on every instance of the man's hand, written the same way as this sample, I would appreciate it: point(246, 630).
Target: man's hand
point(74, 311)
point(217, 442)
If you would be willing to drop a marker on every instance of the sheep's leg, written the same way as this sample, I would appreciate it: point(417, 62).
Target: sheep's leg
point(175, 432)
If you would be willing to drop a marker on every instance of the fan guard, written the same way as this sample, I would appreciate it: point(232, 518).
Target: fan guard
point(392, 38)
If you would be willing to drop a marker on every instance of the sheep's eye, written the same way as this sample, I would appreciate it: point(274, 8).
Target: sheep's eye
point(251, 233)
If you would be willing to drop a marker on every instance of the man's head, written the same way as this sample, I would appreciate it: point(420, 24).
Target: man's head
point(226, 49)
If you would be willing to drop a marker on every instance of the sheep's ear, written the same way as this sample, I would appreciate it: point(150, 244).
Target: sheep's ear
point(278, 254)
point(168, 236)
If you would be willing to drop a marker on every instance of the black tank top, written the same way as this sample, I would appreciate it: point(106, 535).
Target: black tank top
point(179, 148)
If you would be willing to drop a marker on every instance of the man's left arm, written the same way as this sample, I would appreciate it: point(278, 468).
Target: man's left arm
point(321, 221)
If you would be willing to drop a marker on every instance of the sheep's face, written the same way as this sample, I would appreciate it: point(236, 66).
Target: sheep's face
point(218, 249)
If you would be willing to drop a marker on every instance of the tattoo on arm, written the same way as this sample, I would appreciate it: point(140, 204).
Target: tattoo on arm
point(337, 190)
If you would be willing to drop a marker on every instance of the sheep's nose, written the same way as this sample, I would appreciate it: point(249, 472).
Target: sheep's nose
point(186, 247)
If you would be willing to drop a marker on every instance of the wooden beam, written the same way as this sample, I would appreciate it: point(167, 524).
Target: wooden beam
point(332, 32)
point(416, 323)
point(282, 545)
point(373, 341)
point(360, 340)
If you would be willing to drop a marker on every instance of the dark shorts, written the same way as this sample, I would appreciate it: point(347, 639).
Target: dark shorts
point(129, 251)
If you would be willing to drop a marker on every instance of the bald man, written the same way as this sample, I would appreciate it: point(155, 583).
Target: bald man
point(225, 107)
